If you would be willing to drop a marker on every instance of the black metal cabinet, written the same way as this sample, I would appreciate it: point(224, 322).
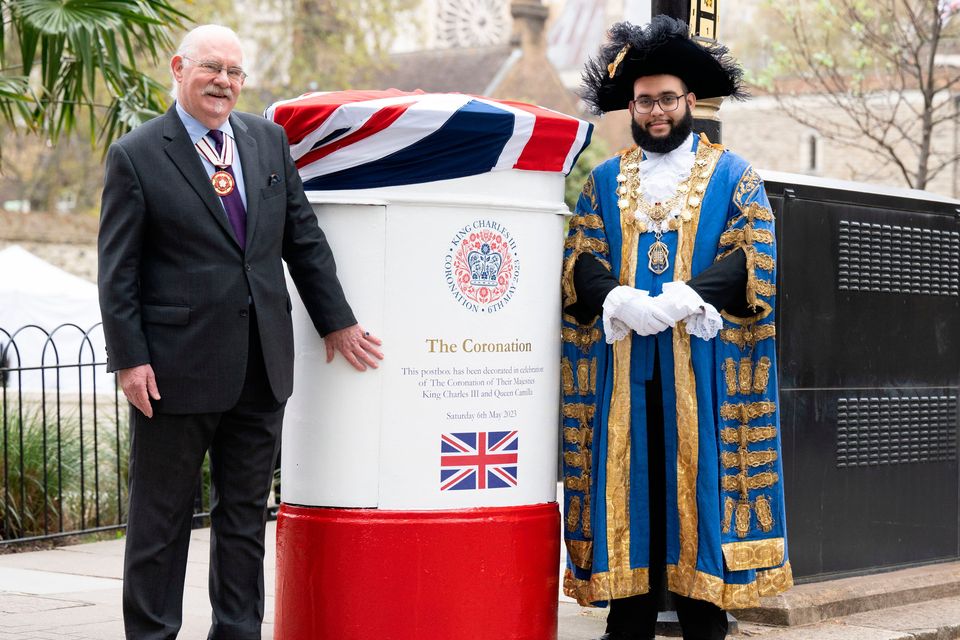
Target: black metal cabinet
point(868, 324)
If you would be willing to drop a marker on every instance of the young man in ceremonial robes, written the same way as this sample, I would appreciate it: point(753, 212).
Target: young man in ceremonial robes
point(201, 208)
point(670, 427)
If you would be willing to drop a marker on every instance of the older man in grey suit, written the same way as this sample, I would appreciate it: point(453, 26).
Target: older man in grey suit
point(201, 207)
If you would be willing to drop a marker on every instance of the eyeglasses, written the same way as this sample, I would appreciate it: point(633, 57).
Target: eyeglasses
point(214, 68)
point(668, 102)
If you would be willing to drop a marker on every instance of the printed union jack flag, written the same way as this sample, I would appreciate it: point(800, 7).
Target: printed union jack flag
point(478, 460)
point(366, 139)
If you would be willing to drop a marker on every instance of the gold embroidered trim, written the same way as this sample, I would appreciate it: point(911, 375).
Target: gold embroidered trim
point(751, 288)
point(687, 446)
point(765, 261)
point(753, 554)
point(704, 586)
point(586, 384)
point(590, 191)
point(742, 519)
point(587, 221)
point(765, 310)
point(765, 516)
point(577, 459)
point(774, 581)
point(748, 335)
point(753, 211)
point(756, 211)
point(566, 376)
point(579, 411)
point(582, 436)
point(582, 337)
point(762, 260)
point(761, 376)
point(749, 183)
point(743, 483)
point(744, 435)
point(573, 514)
point(585, 518)
point(578, 243)
point(606, 585)
point(746, 375)
point(746, 411)
point(730, 376)
point(686, 385)
point(744, 459)
point(745, 236)
point(766, 288)
point(581, 553)
point(728, 505)
point(629, 164)
point(618, 422)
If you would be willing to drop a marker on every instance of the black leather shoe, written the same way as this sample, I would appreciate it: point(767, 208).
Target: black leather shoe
point(621, 635)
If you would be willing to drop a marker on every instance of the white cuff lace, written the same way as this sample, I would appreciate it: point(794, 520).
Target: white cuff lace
point(705, 323)
point(701, 318)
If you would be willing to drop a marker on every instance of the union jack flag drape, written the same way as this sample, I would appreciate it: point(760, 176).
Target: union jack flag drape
point(366, 139)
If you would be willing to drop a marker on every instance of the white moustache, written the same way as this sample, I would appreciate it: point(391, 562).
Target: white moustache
point(218, 92)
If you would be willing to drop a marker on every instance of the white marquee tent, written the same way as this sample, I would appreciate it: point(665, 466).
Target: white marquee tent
point(51, 317)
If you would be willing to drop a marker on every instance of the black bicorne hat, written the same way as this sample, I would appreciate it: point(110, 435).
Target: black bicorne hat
point(664, 47)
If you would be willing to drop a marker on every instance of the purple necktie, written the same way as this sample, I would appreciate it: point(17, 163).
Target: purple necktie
point(236, 213)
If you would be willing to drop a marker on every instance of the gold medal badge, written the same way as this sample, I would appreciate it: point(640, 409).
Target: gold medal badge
point(223, 183)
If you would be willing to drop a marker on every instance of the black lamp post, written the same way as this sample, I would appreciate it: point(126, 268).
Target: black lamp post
point(703, 18)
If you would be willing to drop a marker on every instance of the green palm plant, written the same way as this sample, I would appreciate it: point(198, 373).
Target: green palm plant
point(63, 60)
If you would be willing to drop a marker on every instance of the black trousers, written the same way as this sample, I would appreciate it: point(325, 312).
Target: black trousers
point(636, 617)
point(166, 456)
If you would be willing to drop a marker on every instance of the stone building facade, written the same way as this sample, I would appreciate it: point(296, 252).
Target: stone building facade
point(759, 130)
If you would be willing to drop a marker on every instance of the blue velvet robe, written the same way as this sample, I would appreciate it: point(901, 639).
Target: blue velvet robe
point(726, 529)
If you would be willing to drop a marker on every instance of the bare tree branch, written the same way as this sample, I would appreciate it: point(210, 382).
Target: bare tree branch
point(871, 70)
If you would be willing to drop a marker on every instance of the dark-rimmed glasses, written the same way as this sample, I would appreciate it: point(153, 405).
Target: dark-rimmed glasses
point(668, 102)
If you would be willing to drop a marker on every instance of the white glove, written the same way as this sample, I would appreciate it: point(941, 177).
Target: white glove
point(635, 308)
point(680, 302)
point(613, 328)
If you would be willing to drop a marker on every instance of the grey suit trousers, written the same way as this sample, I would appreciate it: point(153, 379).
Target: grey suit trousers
point(166, 456)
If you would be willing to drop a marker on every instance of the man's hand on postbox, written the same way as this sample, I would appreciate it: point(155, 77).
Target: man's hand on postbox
point(359, 347)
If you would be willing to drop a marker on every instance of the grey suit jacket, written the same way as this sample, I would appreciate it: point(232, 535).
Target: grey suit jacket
point(174, 283)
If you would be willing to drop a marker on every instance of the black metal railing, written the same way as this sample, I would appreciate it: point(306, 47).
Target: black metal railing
point(65, 436)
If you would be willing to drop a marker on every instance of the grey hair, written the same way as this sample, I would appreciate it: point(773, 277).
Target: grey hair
point(191, 42)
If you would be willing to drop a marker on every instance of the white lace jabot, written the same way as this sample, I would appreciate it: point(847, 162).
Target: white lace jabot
point(661, 173)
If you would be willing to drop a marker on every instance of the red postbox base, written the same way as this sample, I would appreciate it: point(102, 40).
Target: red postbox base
point(367, 574)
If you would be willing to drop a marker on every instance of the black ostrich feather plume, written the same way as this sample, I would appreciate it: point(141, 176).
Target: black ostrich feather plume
point(666, 47)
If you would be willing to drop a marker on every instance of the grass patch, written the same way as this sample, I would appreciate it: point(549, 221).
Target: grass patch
point(64, 468)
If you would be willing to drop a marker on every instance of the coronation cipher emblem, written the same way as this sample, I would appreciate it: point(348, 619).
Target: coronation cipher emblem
point(482, 267)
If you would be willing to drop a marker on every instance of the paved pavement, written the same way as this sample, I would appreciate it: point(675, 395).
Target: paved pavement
point(74, 593)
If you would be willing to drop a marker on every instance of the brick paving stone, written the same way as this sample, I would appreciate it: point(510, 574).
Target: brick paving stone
point(15, 603)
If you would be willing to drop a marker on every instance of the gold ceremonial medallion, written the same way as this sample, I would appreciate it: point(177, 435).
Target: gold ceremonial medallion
point(659, 256)
point(222, 183)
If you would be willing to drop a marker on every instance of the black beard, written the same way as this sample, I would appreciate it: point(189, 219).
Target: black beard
point(678, 133)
